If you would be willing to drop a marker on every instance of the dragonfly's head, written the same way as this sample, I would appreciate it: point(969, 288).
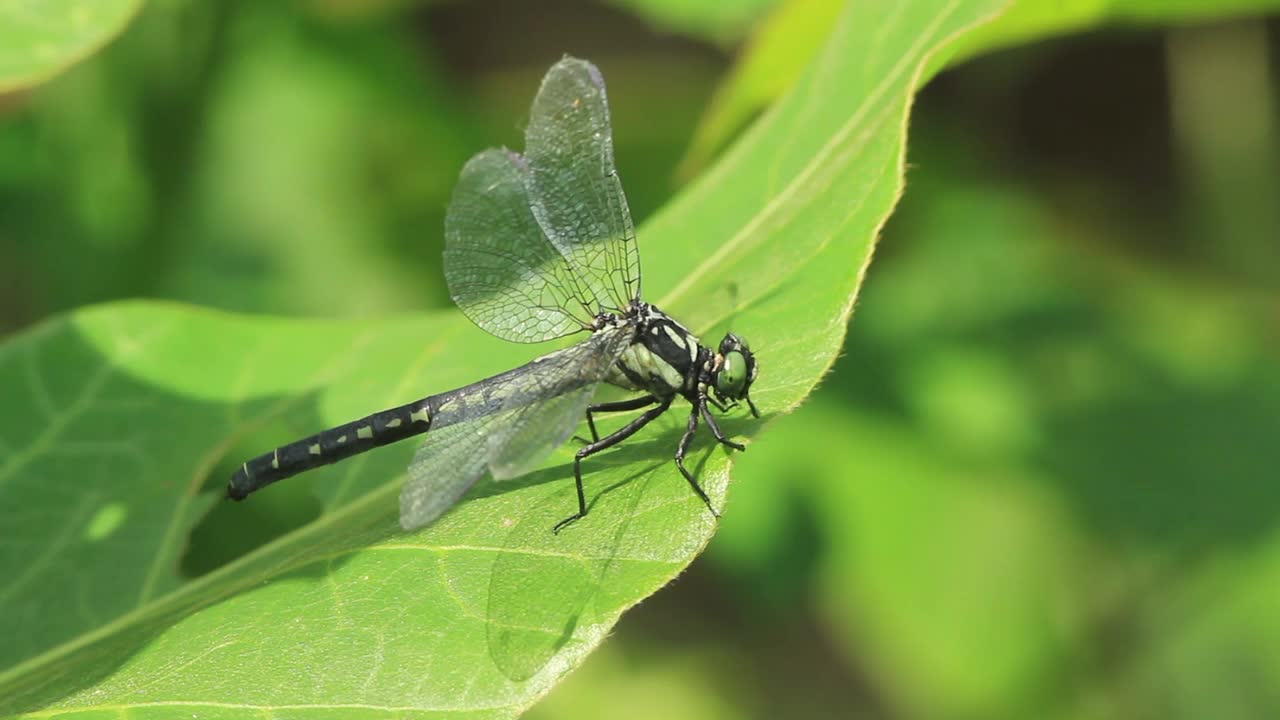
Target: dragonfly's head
point(735, 371)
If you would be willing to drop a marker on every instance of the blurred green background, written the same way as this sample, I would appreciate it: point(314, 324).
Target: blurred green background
point(1040, 482)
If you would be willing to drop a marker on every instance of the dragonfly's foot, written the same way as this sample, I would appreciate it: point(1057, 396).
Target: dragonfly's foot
point(734, 445)
point(569, 521)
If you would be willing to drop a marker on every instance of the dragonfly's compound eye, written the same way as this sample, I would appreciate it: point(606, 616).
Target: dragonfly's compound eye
point(732, 376)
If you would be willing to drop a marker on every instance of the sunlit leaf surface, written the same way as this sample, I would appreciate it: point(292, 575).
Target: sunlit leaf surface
point(40, 38)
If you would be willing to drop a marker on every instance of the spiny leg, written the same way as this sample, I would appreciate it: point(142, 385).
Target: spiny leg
point(715, 429)
point(683, 447)
point(609, 441)
point(619, 406)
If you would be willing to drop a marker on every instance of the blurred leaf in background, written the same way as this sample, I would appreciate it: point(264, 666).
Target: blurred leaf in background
point(255, 156)
point(39, 40)
point(1041, 478)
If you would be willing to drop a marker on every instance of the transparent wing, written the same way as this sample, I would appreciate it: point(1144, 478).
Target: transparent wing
point(505, 425)
point(573, 185)
point(446, 465)
point(503, 272)
point(535, 433)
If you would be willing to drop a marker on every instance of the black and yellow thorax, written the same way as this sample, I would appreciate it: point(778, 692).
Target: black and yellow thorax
point(664, 359)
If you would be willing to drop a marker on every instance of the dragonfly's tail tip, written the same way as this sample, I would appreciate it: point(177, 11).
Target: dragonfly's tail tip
point(235, 491)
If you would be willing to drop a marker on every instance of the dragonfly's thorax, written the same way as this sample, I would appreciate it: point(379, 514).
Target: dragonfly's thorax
point(664, 358)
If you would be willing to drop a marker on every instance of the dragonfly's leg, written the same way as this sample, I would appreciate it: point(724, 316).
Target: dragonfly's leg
point(619, 406)
point(682, 448)
point(715, 430)
point(720, 405)
point(603, 443)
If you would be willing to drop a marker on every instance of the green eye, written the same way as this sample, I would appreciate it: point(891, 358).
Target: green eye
point(732, 375)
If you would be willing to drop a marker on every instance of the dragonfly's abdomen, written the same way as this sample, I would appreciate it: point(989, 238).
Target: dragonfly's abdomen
point(547, 377)
point(331, 446)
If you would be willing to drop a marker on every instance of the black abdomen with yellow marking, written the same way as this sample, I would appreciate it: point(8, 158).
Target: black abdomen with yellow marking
point(506, 391)
point(331, 446)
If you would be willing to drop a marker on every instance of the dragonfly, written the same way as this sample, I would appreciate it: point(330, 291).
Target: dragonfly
point(541, 246)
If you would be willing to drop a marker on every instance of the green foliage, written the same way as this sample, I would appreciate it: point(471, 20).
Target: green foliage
point(346, 612)
point(722, 22)
point(1037, 482)
point(1028, 21)
point(785, 42)
point(39, 40)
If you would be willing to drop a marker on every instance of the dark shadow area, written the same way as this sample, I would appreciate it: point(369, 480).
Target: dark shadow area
point(231, 530)
point(1086, 117)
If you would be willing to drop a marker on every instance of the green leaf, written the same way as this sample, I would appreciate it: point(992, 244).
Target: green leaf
point(714, 20)
point(784, 43)
point(1030, 21)
point(41, 39)
point(118, 419)
point(778, 51)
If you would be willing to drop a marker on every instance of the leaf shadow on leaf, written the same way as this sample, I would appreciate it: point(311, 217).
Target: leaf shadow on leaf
point(142, 453)
point(92, 435)
point(262, 587)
